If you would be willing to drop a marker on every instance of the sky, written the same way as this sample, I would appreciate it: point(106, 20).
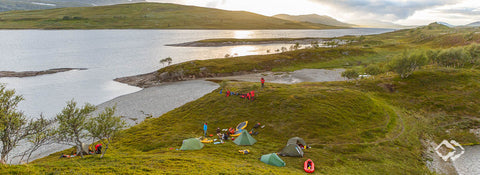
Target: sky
point(403, 12)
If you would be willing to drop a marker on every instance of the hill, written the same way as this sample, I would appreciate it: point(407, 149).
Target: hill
point(9, 5)
point(340, 123)
point(473, 24)
point(378, 24)
point(314, 18)
point(377, 125)
point(145, 16)
point(445, 24)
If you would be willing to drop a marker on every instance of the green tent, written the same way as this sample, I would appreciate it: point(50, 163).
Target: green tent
point(272, 159)
point(291, 150)
point(296, 141)
point(244, 139)
point(191, 144)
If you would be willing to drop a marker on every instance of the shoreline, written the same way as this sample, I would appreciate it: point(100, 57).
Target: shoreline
point(153, 79)
point(156, 100)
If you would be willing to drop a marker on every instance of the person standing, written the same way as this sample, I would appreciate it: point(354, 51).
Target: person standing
point(263, 81)
point(205, 129)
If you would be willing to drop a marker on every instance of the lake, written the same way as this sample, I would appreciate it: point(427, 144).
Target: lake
point(109, 54)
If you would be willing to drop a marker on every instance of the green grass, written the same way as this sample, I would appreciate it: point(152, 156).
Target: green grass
point(349, 131)
point(145, 16)
point(353, 127)
point(369, 126)
point(281, 61)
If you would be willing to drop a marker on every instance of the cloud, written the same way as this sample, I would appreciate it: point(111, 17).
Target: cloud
point(391, 9)
point(460, 11)
point(215, 3)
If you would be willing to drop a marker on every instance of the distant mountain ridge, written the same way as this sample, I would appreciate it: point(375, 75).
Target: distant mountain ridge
point(314, 18)
point(378, 24)
point(474, 24)
point(10, 5)
point(445, 24)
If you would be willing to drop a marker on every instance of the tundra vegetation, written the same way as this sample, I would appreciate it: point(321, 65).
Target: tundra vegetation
point(426, 88)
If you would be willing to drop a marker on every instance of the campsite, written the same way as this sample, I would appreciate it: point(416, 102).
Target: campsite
point(388, 97)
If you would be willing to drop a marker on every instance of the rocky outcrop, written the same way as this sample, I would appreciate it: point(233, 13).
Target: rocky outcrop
point(155, 78)
point(35, 73)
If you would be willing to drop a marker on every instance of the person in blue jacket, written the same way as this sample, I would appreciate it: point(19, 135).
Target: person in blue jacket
point(205, 129)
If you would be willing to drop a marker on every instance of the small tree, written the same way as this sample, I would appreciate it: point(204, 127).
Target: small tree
point(42, 134)
point(166, 60)
point(350, 74)
point(71, 128)
point(406, 63)
point(13, 123)
point(105, 126)
point(315, 44)
point(284, 49)
point(296, 46)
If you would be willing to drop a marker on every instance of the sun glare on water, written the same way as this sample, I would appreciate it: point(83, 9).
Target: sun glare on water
point(243, 50)
point(241, 34)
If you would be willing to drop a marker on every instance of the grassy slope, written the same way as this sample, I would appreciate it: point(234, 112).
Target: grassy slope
point(325, 114)
point(145, 16)
point(372, 126)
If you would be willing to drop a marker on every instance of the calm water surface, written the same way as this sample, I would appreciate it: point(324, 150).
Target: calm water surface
point(110, 54)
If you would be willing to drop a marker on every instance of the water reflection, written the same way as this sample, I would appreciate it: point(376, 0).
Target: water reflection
point(243, 50)
point(240, 34)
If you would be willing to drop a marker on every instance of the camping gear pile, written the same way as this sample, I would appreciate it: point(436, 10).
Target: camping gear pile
point(249, 96)
point(293, 148)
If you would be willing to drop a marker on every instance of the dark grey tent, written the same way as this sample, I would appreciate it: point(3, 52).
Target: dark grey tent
point(297, 141)
point(292, 150)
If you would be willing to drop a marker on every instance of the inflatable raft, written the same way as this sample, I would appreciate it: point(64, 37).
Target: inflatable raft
point(205, 140)
point(238, 130)
point(242, 125)
point(308, 166)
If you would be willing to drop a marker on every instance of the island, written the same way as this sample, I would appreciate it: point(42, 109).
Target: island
point(35, 73)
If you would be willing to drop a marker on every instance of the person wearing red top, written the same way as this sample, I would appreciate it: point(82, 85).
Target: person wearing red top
point(252, 95)
point(263, 81)
point(98, 149)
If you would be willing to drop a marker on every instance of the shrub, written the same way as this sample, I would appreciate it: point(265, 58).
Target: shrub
point(406, 63)
point(373, 69)
point(474, 51)
point(350, 74)
point(454, 57)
